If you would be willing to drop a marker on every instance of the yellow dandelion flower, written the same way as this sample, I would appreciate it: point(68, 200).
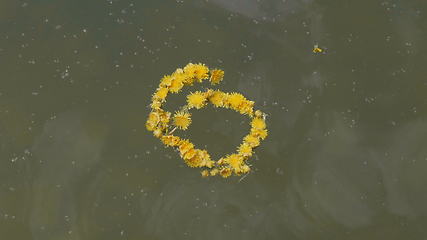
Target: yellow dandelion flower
point(258, 123)
point(194, 161)
point(245, 169)
point(217, 98)
point(205, 173)
point(201, 72)
point(189, 154)
point(161, 94)
point(225, 172)
point(221, 161)
point(251, 141)
point(206, 159)
point(247, 107)
point(245, 150)
point(180, 76)
point(170, 140)
point(214, 172)
point(165, 117)
point(197, 71)
point(158, 132)
point(234, 100)
point(149, 126)
point(209, 92)
point(235, 162)
point(258, 113)
point(196, 100)
point(156, 104)
point(261, 133)
point(152, 121)
point(166, 81)
point(176, 85)
point(216, 76)
point(182, 120)
point(185, 146)
point(153, 117)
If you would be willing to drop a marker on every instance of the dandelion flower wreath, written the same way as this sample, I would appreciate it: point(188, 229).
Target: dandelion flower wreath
point(163, 124)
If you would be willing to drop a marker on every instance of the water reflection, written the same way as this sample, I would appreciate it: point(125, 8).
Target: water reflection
point(67, 150)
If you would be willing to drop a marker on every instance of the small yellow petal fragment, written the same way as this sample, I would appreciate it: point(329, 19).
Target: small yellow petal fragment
point(317, 49)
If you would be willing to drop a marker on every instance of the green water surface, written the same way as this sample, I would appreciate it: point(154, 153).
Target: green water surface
point(346, 157)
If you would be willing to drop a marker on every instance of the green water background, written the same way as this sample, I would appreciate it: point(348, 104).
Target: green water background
point(346, 157)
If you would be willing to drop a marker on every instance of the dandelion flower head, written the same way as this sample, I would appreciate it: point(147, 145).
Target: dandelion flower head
point(182, 120)
point(216, 76)
point(196, 100)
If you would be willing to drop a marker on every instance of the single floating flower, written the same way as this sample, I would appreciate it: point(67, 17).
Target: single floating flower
point(317, 49)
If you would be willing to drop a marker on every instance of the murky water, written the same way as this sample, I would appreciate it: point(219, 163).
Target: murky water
point(345, 158)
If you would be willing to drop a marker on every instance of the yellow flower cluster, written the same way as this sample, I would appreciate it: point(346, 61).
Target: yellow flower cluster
point(159, 120)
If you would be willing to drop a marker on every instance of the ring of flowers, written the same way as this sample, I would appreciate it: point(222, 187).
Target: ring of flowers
point(159, 121)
